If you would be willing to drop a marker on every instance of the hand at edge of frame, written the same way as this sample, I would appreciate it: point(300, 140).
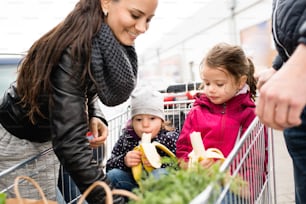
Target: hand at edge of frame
point(283, 97)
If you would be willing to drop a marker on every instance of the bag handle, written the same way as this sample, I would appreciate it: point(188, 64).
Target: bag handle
point(32, 181)
point(108, 192)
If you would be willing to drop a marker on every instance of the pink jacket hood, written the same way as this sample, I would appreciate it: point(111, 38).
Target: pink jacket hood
point(219, 125)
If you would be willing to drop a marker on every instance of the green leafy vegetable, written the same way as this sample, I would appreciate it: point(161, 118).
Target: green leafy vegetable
point(178, 186)
point(2, 198)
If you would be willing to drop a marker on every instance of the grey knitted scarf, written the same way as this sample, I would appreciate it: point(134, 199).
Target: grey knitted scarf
point(113, 66)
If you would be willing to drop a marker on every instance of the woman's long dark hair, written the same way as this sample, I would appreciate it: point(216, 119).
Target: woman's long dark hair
point(76, 32)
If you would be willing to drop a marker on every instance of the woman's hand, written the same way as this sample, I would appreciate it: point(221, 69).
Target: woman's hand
point(99, 131)
point(132, 158)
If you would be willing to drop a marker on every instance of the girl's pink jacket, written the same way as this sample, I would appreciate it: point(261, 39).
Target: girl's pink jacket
point(218, 124)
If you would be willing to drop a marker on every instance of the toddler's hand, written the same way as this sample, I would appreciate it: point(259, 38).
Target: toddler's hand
point(132, 158)
point(146, 162)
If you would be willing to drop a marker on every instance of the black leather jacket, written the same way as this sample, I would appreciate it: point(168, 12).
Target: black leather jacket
point(287, 20)
point(66, 123)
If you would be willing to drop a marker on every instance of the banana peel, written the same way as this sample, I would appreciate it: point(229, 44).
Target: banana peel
point(149, 155)
point(199, 153)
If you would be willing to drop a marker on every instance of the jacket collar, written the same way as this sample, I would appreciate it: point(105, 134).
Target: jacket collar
point(237, 103)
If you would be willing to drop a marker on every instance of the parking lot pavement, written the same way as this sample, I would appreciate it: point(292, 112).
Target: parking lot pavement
point(283, 171)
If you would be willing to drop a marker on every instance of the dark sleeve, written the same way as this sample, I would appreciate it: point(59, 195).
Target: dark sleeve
point(302, 32)
point(277, 62)
point(249, 116)
point(183, 144)
point(69, 124)
point(168, 139)
point(119, 151)
point(94, 108)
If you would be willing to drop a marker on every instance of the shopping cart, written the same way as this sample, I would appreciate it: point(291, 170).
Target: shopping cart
point(254, 146)
point(251, 147)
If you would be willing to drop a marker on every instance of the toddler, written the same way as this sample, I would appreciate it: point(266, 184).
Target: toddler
point(147, 116)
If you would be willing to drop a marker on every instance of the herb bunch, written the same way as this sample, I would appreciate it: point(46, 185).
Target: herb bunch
point(178, 186)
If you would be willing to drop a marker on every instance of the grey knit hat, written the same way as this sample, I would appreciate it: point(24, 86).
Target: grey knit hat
point(145, 100)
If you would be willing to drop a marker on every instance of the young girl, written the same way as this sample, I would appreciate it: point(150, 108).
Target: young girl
point(147, 116)
point(226, 107)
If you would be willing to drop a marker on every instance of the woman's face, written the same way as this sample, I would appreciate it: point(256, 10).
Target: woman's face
point(128, 18)
point(145, 123)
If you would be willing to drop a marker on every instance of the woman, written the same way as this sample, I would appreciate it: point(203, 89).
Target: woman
point(87, 57)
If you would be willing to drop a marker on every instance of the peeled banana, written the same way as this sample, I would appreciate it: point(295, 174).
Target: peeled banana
point(199, 153)
point(149, 155)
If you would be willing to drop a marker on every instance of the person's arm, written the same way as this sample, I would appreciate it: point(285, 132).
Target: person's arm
point(97, 121)
point(117, 157)
point(99, 131)
point(277, 62)
point(94, 108)
point(168, 139)
point(302, 32)
point(283, 97)
point(183, 144)
point(264, 75)
point(69, 125)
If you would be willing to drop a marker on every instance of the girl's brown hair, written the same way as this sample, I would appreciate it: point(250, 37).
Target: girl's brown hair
point(233, 59)
point(76, 32)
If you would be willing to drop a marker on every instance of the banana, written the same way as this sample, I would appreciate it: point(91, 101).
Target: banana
point(163, 148)
point(199, 153)
point(149, 155)
point(137, 170)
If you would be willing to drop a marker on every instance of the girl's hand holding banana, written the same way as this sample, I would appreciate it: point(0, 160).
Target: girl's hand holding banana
point(199, 155)
point(207, 162)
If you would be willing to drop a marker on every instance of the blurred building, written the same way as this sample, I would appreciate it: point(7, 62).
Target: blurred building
point(176, 56)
